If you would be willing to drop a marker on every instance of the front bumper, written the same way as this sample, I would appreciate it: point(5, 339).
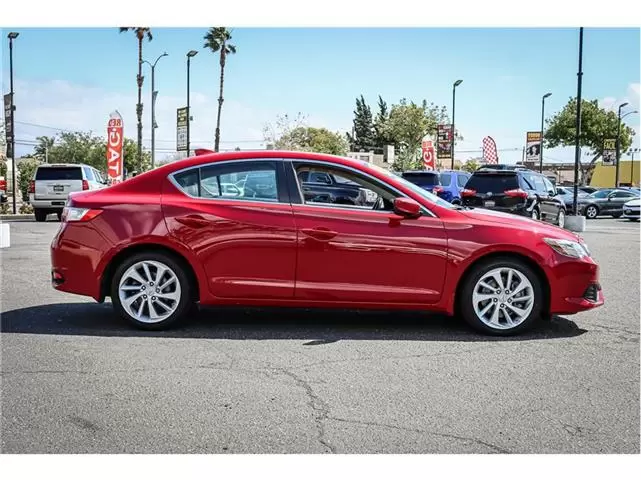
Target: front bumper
point(631, 212)
point(575, 287)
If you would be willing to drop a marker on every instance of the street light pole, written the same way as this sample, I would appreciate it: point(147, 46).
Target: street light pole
point(190, 54)
point(542, 119)
point(154, 94)
point(456, 84)
point(577, 140)
point(618, 145)
point(12, 36)
point(631, 152)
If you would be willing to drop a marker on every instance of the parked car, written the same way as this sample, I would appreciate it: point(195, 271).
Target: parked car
point(426, 179)
point(520, 192)
point(324, 187)
point(3, 190)
point(53, 183)
point(409, 250)
point(631, 209)
point(588, 190)
point(452, 182)
point(566, 195)
point(608, 201)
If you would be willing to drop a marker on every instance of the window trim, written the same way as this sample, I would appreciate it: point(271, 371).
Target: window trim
point(300, 197)
point(281, 184)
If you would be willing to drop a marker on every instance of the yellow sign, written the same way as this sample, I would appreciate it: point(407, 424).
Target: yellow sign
point(609, 144)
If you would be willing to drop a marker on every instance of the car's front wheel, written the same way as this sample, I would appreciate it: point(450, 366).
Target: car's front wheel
point(502, 296)
point(591, 212)
point(151, 291)
point(560, 221)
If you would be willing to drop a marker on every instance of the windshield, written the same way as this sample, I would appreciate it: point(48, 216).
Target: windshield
point(415, 188)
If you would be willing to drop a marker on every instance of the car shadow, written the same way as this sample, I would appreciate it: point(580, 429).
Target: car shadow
point(315, 326)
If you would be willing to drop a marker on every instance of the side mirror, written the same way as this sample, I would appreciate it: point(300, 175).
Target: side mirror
point(406, 207)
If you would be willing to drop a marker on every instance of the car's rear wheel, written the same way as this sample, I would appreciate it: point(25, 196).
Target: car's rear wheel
point(151, 291)
point(502, 297)
point(535, 214)
point(560, 221)
point(41, 215)
point(591, 212)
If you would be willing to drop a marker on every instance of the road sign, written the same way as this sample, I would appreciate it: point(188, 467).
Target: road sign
point(181, 129)
point(533, 146)
point(444, 141)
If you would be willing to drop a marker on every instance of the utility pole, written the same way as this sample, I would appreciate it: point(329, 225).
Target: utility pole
point(577, 140)
point(190, 54)
point(12, 36)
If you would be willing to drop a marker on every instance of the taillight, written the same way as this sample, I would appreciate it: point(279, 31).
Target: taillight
point(85, 185)
point(468, 192)
point(74, 214)
point(32, 186)
point(437, 190)
point(517, 192)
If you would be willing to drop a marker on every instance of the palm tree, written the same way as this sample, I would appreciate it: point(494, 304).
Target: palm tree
point(217, 40)
point(140, 32)
point(45, 144)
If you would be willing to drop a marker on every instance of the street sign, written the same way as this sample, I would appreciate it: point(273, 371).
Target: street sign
point(444, 141)
point(428, 154)
point(115, 141)
point(609, 151)
point(8, 125)
point(533, 146)
point(181, 129)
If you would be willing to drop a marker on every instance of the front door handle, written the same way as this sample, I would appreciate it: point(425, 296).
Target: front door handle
point(320, 233)
point(194, 221)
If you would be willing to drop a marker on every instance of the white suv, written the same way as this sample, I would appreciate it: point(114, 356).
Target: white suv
point(52, 184)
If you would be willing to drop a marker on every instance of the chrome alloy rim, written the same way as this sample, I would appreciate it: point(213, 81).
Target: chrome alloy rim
point(561, 218)
point(503, 298)
point(591, 212)
point(149, 291)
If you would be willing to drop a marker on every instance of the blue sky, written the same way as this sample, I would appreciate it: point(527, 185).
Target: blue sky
point(73, 78)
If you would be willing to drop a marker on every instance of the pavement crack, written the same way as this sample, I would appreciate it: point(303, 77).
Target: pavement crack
point(319, 408)
point(491, 446)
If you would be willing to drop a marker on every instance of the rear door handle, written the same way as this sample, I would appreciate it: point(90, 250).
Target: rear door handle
point(194, 221)
point(319, 233)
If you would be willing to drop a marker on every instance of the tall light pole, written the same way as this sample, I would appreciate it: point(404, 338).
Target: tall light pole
point(190, 53)
point(12, 36)
point(542, 119)
point(154, 94)
point(618, 145)
point(577, 139)
point(631, 152)
point(456, 84)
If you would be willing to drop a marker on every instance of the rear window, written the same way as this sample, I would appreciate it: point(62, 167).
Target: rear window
point(421, 179)
point(446, 179)
point(493, 182)
point(59, 173)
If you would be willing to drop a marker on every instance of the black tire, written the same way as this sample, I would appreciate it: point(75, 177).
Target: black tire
point(466, 308)
point(591, 212)
point(456, 201)
point(617, 215)
point(41, 215)
point(536, 214)
point(59, 215)
point(184, 304)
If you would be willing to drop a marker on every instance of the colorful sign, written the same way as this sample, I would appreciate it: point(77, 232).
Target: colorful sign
point(115, 140)
point(181, 129)
point(8, 125)
point(429, 155)
point(609, 151)
point(490, 153)
point(533, 146)
point(444, 141)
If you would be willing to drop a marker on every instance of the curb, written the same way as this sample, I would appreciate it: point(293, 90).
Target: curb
point(21, 216)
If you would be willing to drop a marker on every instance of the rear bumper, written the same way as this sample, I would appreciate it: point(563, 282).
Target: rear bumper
point(57, 204)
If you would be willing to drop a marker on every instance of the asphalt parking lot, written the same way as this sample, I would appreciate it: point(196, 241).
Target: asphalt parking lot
point(75, 379)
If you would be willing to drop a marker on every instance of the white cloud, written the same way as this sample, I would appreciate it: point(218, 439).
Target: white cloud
point(631, 97)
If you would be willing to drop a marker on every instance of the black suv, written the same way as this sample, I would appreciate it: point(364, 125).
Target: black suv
point(520, 191)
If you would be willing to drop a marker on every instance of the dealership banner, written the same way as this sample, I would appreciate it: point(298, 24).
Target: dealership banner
point(8, 125)
point(533, 146)
point(609, 151)
point(181, 129)
point(115, 139)
point(428, 155)
point(490, 153)
point(444, 141)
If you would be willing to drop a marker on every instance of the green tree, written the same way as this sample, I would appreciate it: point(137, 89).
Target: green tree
point(217, 40)
point(471, 166)
point(45, 144)
point(280, 130)
point(141, 33)
point(26, 171)
point(597, 124)
point(381, 137)
point(364, 134)
point(311, 139)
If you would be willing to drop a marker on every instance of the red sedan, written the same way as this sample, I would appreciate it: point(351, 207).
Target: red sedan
point(299, 229)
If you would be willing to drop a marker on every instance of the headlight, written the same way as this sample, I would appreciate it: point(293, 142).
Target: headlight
point(568, 247)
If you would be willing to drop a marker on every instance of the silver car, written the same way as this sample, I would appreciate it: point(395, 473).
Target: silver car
point(631, 210)
point(52, 184)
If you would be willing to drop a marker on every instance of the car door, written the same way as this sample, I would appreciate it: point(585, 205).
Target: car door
point(617, 199)
point(364, 253)
point(545, 206)
point(554, 204)
point(245, 239)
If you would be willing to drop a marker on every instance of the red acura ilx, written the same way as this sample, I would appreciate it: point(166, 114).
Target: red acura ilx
point(274, 228)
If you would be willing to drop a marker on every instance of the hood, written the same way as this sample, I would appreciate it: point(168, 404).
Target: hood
point(516, 221)
point(634, 203)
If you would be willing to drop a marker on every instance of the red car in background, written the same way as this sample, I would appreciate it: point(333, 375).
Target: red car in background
point(243, 228)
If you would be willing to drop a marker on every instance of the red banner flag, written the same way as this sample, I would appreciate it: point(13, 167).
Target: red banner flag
point(115, 141)
point(428, 154)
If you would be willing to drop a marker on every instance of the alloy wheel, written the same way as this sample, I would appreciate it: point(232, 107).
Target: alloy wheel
point(149, 291)
point(561, 219)
point(591, 212)
point(503, 298)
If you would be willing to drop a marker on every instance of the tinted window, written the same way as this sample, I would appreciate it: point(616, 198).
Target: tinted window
point(89, 174)
point(600, 194)
point(422, 178)
point(548, 185)
point(494, 182)
point(243, 181)
point(59, 173)
point(623, 194)
point(461, 180)
point(188, 180)
point(446, 179)
point(319, 177)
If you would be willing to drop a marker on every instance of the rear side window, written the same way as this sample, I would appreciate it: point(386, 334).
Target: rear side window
point(494, 182)
point(422, 178)
point(461, 180)
point(59, 173)
point(446, 179)
point(89, 174)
